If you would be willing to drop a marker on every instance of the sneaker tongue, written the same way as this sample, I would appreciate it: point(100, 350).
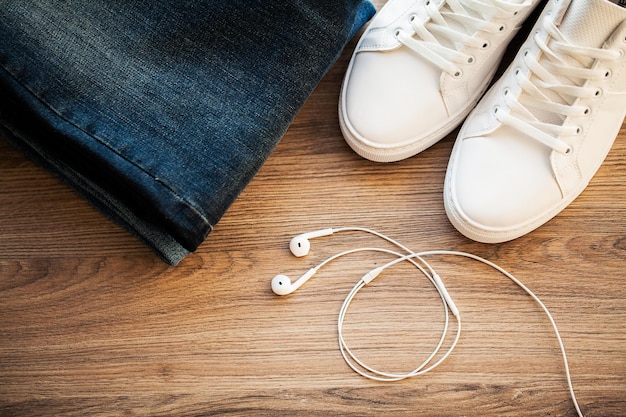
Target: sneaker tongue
point(586, 23)
point(591, 22)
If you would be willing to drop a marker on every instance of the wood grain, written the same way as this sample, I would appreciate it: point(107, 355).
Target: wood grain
point(92, 324)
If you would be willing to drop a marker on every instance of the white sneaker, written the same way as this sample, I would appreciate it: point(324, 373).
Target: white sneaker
point(419, 69)
point(539, 135)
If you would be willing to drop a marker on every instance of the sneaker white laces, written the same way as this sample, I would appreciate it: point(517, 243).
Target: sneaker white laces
point(452, 25)
point(549, 92)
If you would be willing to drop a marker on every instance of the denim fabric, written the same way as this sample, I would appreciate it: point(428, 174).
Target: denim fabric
point(160, 112)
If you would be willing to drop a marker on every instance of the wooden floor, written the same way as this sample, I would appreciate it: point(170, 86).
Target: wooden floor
point(93, 324)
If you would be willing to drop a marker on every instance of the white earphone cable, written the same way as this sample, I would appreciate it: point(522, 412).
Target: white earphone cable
point(425, 268)
point(351, 358)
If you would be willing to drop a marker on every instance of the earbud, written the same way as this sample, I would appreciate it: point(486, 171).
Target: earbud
point(281, 284)
point(300, 244)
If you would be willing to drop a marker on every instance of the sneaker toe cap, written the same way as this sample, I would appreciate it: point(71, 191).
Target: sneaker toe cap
point(391, 98)
point(501, 184)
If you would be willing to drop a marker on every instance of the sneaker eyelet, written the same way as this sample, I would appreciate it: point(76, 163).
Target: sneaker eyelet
point(569, 151)
point(471, 60)
point(502, 28)
point(412, 18)
point(607, 73)
point(506, 91)
point(486, 45)
point(579, 130)
point(587, 111)
point(396, 33)
point(457, 74)
point(597, 92)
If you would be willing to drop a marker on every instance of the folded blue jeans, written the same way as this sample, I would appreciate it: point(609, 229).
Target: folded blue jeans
point(161, 112)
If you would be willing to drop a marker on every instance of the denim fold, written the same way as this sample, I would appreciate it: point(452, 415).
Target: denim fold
point(160, 113)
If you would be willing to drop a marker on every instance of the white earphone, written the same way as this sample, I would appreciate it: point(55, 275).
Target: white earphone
point(300, 246)
point(282, 285)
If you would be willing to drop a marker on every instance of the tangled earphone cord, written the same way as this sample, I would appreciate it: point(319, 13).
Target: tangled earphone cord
point(417, 259)
point(352, 360)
